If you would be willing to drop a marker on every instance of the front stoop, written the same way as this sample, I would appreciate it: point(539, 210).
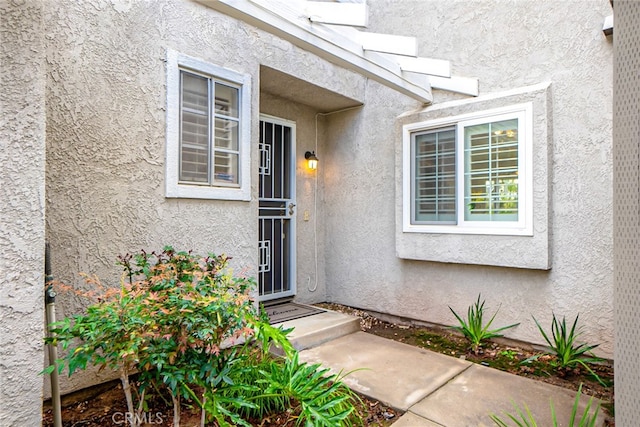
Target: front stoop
point(312, 331)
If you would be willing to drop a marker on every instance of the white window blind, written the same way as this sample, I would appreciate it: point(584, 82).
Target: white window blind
point(194, 143)
point(434, 174)
point(491, 171)
point(209, 155)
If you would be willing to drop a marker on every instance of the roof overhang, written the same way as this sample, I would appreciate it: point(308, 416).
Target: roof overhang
point(283, 85)
point(321, 40)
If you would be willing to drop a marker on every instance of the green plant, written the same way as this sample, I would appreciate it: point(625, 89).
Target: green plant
point(563, 345)
point(526, 419)
point(509, 354)
point(109, 335)
point(173, 320)
point(307, 393)
point(474, 328)
point(320, 399)
point(185, 322)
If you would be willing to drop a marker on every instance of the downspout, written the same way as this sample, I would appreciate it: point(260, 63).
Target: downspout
point(50, 309)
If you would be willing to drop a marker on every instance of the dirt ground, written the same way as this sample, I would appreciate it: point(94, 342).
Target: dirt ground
point(105, 405)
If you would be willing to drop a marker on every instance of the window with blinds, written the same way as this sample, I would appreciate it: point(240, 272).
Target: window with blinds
point(491, 171)
point(209, 137)
point(469, 173)
point(434, 176)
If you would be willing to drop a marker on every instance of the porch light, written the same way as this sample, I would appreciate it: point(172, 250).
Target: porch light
point(312, 160)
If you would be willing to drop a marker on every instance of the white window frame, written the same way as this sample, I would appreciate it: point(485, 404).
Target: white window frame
point(177, 62)
point(524, 225)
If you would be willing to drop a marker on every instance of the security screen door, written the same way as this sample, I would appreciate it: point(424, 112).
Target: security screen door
point(276, 271)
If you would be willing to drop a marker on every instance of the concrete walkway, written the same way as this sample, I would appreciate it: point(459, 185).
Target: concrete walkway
point(434, 389)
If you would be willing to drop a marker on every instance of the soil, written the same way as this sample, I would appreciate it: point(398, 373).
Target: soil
point(105, 405)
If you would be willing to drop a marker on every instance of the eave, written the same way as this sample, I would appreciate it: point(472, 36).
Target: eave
point(323, 42)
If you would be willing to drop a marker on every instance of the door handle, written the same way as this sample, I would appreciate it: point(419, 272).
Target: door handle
point(291, 206)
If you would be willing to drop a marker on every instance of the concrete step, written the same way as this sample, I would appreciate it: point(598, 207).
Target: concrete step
point(311, 331)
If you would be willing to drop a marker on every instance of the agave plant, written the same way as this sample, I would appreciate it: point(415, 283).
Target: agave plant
point(563, 345)
point(474, 328)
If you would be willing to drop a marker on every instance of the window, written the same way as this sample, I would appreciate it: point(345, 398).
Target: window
point(208, 139)
point(434, 176)
point(469, 173)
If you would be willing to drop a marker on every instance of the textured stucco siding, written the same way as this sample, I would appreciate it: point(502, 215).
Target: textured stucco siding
point(106, 102)
point(626, 140)
point(22, 231)
point(106, 123)
point(507, 45)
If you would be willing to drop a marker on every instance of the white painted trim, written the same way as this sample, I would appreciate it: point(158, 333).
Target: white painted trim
point(482, 98)
point(524, 226)
point(388, 43)
point(293, 263)
point(352, 14)
point(173, 189)
point(432, 67)
point(320, 40)
point(607, 27)
point(465, 85)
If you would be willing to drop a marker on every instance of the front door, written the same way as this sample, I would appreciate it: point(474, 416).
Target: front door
point(276, 271)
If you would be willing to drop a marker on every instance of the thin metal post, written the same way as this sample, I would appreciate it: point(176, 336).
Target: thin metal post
point(50, 310)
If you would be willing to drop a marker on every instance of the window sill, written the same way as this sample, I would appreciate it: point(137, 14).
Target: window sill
point(529, 252)
point(479, 230)
point(183, 191)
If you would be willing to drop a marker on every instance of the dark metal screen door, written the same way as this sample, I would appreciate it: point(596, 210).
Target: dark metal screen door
point(276, 271)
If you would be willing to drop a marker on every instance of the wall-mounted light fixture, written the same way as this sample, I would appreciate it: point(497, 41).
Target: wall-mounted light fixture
point(312, 160)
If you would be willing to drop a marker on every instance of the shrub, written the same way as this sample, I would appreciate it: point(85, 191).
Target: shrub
point(185, 321)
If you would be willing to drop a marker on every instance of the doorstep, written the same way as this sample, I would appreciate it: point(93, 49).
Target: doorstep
point(317, 329)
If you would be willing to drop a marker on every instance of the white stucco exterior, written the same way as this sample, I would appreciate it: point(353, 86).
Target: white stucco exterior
point(556, 42)
point(103, 70)
point(22, 210)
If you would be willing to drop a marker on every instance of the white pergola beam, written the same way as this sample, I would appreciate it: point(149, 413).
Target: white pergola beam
point(351, 14)
point(465, 85)
point(417, 78)
point(607, 27)
point(429, 66)
point(388, 43)
point(286, 23)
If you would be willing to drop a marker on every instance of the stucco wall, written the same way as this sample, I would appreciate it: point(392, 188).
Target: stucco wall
point(106, 101)
point(22, 156)
point(506, 45)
